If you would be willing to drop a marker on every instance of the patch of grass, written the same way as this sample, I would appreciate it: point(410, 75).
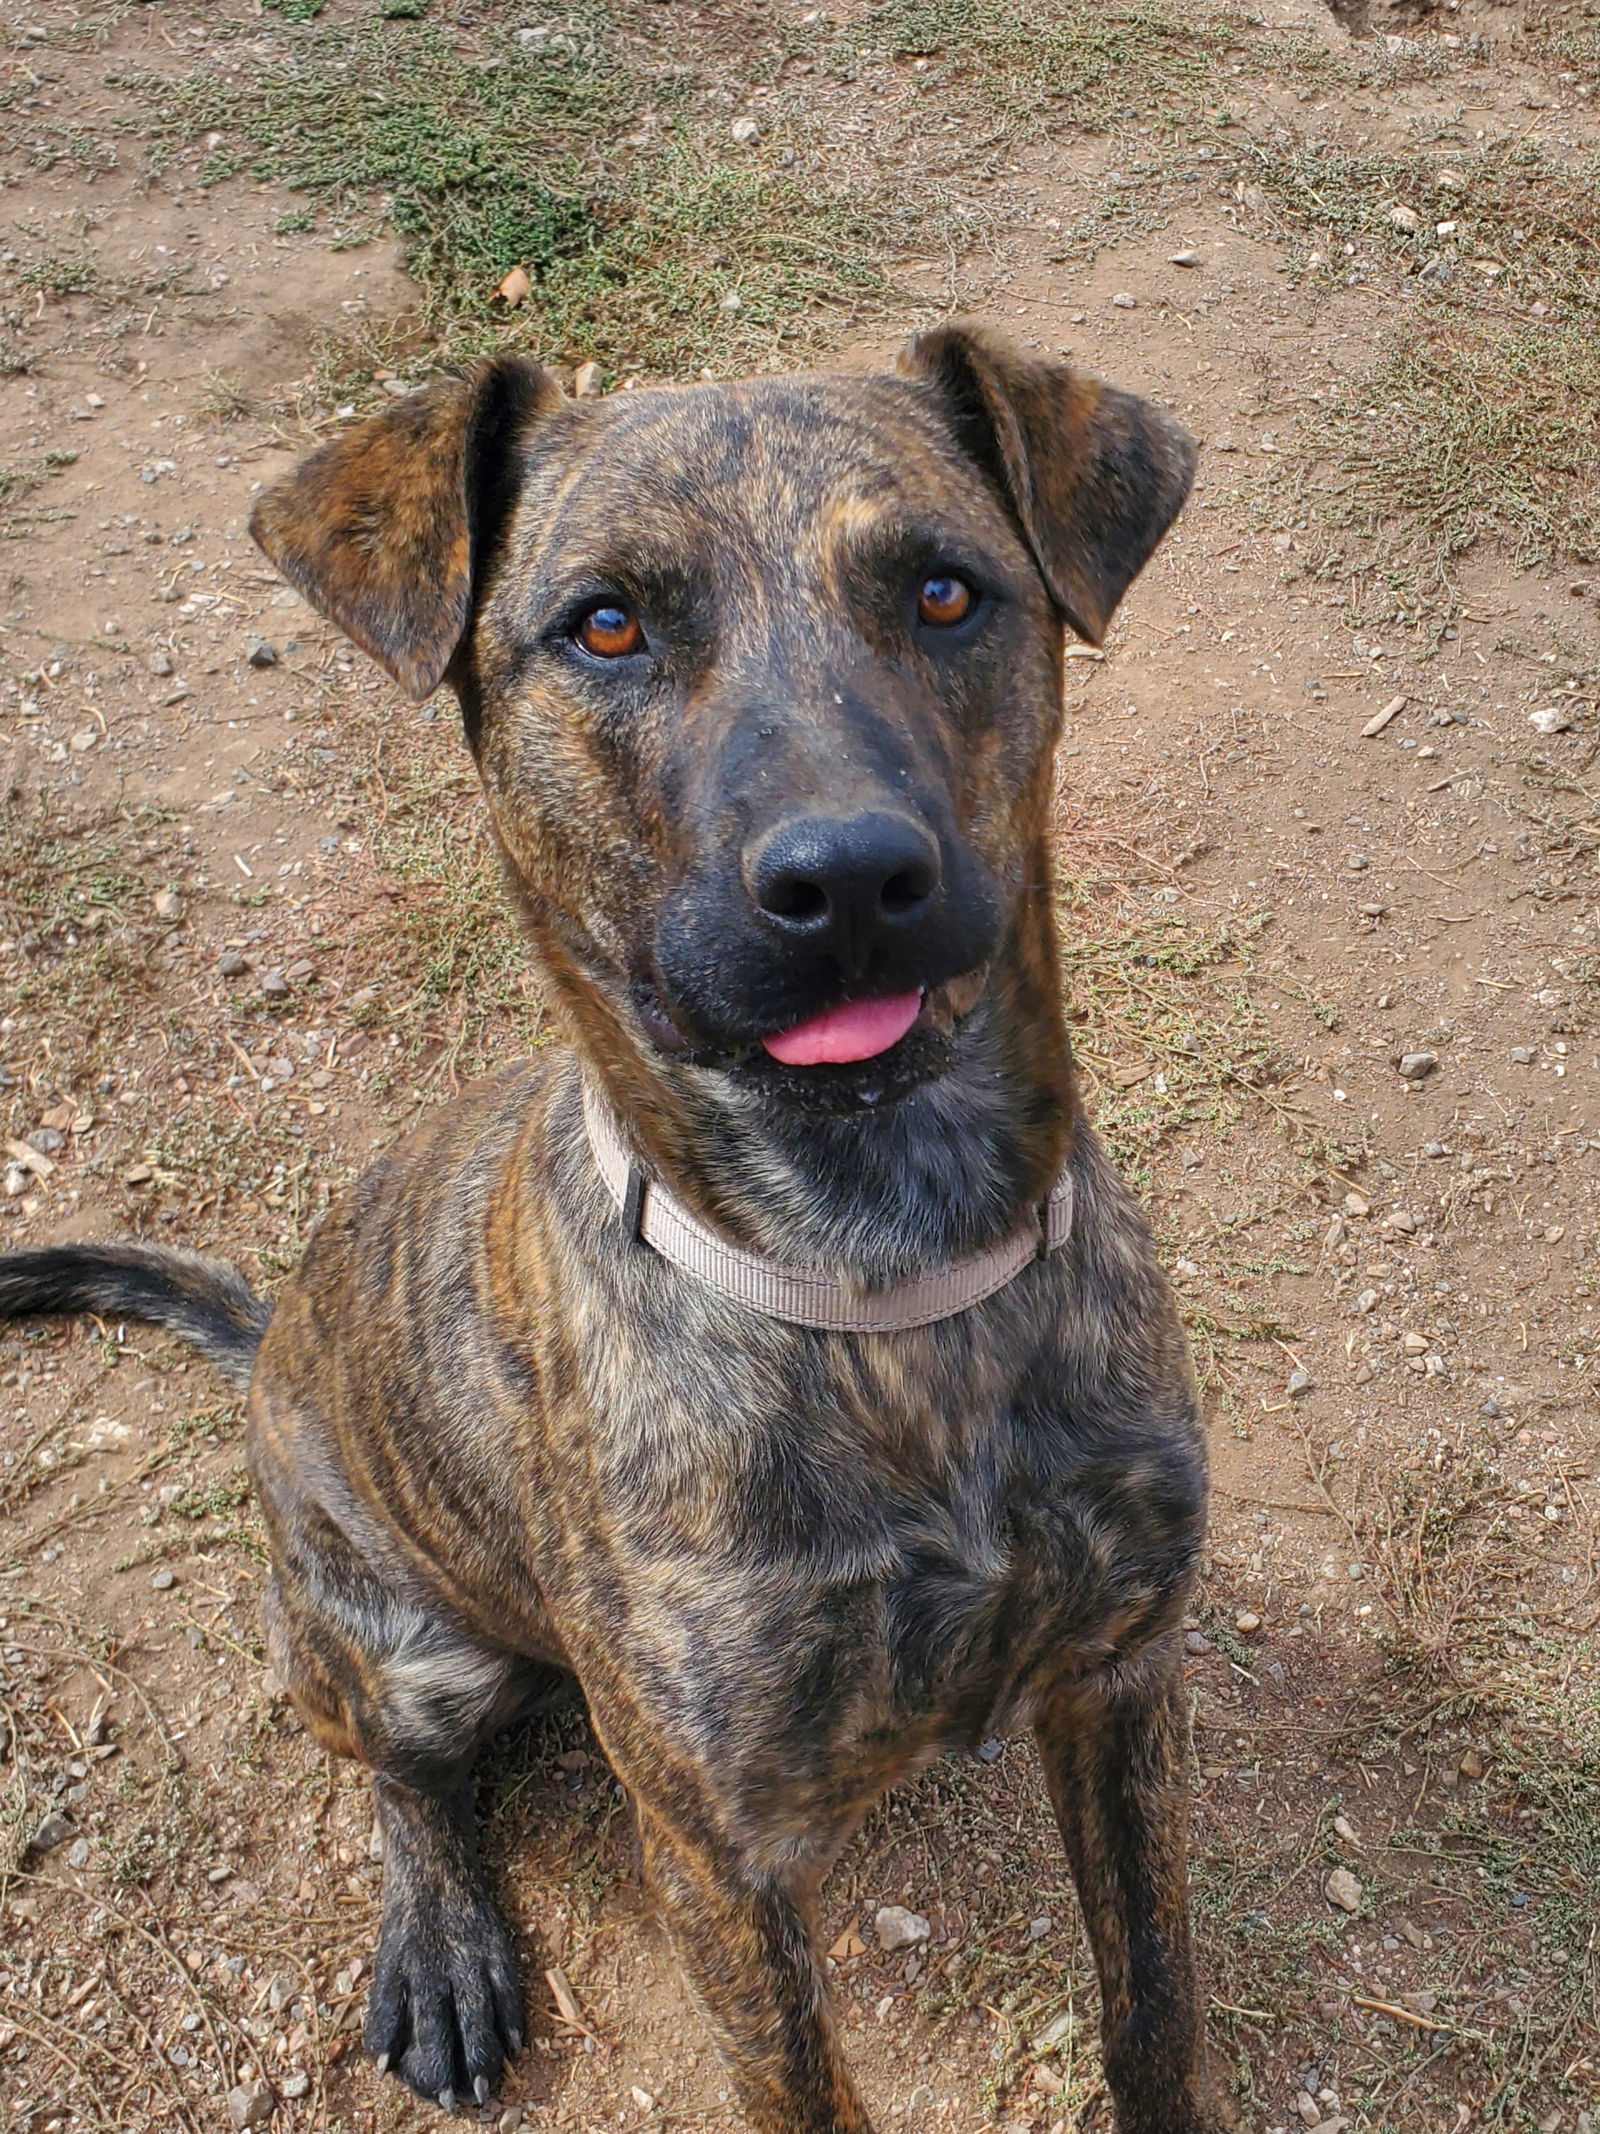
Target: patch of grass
point(456, 983)
point(1519, 221)
point(1089, 66)
point(55, 274)
point(1468, 430)
point(653, 249)
point(1166, 1030)
point(1564, 33)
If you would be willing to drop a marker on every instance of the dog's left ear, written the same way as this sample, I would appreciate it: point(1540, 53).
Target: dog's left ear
point(385, 529)
point(1093, 476)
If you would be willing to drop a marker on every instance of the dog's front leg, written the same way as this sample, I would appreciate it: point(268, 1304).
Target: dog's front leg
point(745, 1944)
point(1116, 1756)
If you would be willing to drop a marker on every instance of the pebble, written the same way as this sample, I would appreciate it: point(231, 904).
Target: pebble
point(1247, 1622)
point(586, 381)
point(231, 964)
point(745, 131)
point(79, 1855)
point(1123, 301)
point(897, 1928)
point(53, 1831)
point(1300, 1384)
point(1357, 1204)
point(45, 1140)
point(261, 654)
point(160, 663)
point(1524, 1055)
point(1417, 1066)
point(1405, 218)
point(296, 2085)
point(1344, 1828)
point(1185, 258)
point(167, 904)
point(1040, 1927)
point(274, 985)
point(1198, 1643)
point(1416, 1344)
point(252, 2104)
point(1343, 1890)
point(82, 742)
point(1552, 720)
point(510, 2120)
point(642, 2098)
point(1472, 1764)
point(992, 1750)
point(165, 1579)
point(1358, 863)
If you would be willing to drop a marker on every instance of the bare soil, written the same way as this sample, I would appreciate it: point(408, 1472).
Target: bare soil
point(249, 931)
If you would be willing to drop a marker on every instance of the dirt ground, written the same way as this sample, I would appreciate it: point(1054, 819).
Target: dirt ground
point(1329, 917)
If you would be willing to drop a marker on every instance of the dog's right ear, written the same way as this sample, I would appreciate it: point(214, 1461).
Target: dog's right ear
point(384, 529)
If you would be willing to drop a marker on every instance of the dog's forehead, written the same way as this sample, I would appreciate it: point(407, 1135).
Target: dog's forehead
point(759, 462)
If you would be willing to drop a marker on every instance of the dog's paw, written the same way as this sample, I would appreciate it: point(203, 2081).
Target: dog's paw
point(445, 2009)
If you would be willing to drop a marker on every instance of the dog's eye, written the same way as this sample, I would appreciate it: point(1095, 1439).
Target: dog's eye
point(944, 601)
point(610, 631)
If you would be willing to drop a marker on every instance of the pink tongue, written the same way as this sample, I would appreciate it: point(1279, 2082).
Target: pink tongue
point(860, 1030)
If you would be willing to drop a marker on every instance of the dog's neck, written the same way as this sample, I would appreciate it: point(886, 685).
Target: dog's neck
point(960, 1164)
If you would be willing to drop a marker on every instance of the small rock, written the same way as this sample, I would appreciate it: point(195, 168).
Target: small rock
point(165, 1579)
point(733, 301)
point(1300, 1384)
point(1198, 1643)
point(1307, 2109)
point(160, 663)
point(510, 2120)
point(897, 1928)
point(1417, 1066)
point(1472, 1764)
point(1405, 218)
point(1183, 259)
point(745, 131)
point(231, 964)
point(1551, 720)
point(1416, 1344)
point(1040, 1927)
point(52, 1832)
point(1344, 1828)
point(1357, 1204)
point(252, 2104)
point(586, 381)
point(1402, 1221)
point(642, 2098)
point(1247, 1622)
point(296, 2085)
point(79, 1855)
point(992, 1750)
point(274, 985)
point(1524, 1055)
point(82, 742)
point(1123, 301)
point(1343, 1890)
point(45, 1140)
point(261, 654)
point(167, 904)
point(1358, 863)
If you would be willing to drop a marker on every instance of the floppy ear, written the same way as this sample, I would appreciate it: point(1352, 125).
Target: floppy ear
point(1093, 476)
point(384, 530)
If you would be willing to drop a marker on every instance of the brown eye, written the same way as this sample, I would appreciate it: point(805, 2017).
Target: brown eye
point(610, 632)
point(944, 601)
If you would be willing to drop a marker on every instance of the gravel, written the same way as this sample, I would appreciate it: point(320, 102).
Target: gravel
point(897, 1928)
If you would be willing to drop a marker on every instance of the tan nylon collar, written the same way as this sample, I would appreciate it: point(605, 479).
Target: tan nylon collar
point(802, 1295)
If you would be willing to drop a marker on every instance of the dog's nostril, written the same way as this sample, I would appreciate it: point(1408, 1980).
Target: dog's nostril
point(904, 891)
point(793, 897)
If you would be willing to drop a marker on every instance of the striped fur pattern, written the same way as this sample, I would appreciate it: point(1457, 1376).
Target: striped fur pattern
point(493, 1435)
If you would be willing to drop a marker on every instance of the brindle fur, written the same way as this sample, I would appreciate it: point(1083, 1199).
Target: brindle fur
point(492, 1433)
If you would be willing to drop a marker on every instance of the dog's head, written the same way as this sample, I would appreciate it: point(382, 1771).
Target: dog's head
point(763, 679)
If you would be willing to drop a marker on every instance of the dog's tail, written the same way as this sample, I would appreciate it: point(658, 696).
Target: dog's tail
point(203, 1301)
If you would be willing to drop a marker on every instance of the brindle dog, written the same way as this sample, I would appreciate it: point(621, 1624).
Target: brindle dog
point(764, 682)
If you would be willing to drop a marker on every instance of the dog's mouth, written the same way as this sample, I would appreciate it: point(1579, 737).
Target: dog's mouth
point(860, 1053)
point(855, 1030)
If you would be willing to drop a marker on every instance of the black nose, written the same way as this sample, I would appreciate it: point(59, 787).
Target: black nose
point(844, 886)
